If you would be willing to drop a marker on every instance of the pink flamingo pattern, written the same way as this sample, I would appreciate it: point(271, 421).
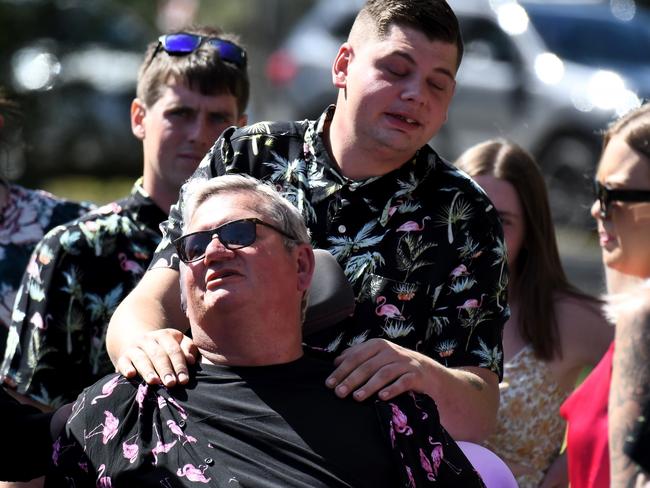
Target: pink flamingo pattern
point(130, 451)
point(38, 322)
point(412, 226)
point(108, 428)
point(103, 481)
point(458, 271)
point(387, 310)
point(470, 305)
point(176, 430)
point(129, 265)
point(193, 473)
point(107, 389)
point(400, 421)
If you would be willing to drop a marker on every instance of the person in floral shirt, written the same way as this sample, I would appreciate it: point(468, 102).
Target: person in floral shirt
point(25, 216)
point(191, 86)
point(258, 412)
point(420, 242)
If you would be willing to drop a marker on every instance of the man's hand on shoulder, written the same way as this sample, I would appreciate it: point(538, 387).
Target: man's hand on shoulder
point(163, 353)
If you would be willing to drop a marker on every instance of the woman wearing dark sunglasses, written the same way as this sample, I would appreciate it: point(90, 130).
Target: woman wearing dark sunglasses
point(615, 396)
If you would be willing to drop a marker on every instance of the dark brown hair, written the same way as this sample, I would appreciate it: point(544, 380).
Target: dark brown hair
point(202, 70)
point(537, 277)
point(434, 18)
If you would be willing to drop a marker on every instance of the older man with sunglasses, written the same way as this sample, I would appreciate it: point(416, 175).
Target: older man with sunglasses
point(191, 86)
point(258, 412)
point(419, 241)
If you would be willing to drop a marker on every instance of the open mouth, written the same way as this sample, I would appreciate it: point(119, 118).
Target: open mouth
point(405, 119)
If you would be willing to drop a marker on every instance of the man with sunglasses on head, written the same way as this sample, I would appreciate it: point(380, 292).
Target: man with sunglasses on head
point(419, 241)
point(191, 86)
point(257, 413)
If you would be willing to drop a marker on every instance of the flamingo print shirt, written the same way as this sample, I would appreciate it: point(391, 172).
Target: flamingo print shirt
point(75, 278)
point(24, 220)
point(421, 245)
point(268, 426)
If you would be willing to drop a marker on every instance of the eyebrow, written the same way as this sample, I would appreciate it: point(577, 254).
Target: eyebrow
point(411, 60)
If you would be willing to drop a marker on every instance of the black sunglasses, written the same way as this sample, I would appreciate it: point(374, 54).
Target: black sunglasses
point(183, 43)
point(606, 196)
point(233, 235)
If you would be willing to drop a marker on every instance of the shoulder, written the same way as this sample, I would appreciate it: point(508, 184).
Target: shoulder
point(584, 331)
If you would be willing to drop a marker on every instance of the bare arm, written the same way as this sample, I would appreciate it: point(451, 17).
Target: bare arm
point(629, 392)
point(143, 334)
point(467, 398)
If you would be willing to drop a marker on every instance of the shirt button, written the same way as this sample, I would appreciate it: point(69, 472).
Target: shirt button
point(208, 461)
point(342, 229)
point(181, 424)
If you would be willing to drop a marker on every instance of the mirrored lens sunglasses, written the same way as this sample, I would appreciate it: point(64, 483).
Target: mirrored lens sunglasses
point(233, 235)
point(182, 44)
point(606, 196)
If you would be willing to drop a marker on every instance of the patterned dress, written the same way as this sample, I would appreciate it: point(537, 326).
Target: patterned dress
point(421, 245)
point(24, 220)
point(76, 277)
point(530, 430)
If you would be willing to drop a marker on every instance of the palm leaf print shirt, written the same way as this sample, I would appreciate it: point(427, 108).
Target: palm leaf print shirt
point(24, 220)
point(421, 245)
point(76, 277)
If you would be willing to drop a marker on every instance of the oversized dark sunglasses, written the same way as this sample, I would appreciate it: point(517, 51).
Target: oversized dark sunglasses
point(606, 196)
point(183, 43)
point(233, 235)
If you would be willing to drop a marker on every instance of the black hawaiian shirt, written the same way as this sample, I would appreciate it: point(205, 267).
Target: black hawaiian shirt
point(75, 279)
point(273, 426)
point(421, 245)
point(24, 220)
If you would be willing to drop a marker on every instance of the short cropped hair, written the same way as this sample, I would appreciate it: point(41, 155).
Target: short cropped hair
point(434, 18)
point(201, 70)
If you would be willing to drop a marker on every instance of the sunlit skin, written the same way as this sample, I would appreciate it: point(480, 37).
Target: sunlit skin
point(625, 234)
point(221, 287)
point(176, 132)
point(394, 97)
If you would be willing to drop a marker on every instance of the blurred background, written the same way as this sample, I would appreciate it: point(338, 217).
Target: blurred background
point(549, 75)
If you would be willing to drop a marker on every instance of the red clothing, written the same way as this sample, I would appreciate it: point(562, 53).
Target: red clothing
point(586, 412)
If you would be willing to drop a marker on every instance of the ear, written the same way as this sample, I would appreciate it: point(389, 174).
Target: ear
point(341, 65)
point(242, 120)
point(305, 263)
point(138, 113)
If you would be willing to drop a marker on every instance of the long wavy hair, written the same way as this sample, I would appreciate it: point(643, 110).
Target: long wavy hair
point(537, 277)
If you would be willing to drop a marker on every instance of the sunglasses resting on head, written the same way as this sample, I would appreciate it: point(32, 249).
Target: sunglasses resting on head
point(606, 196)
point(182, 44)
point(233, 235)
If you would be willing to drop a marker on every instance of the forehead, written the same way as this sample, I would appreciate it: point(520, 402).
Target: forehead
point(177, 92)
point(415, 44)
point(622, 165)
point(224, 207)
point(502, 193)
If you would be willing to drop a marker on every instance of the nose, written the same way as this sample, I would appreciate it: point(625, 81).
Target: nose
point(201, 133)
point(414, 90)
point(216, 251)
point(595, 210)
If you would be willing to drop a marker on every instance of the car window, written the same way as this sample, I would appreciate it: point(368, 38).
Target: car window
point(599, 41)
point(484, 39)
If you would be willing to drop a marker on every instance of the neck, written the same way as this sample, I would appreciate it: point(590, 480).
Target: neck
point(238, 343)
point(354, 159)
point(162, 196)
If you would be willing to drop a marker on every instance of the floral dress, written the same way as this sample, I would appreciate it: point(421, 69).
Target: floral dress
point(25, 219)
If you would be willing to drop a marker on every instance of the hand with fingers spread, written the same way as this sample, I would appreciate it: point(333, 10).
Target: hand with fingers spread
point(163, 353)
point(382, 367)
